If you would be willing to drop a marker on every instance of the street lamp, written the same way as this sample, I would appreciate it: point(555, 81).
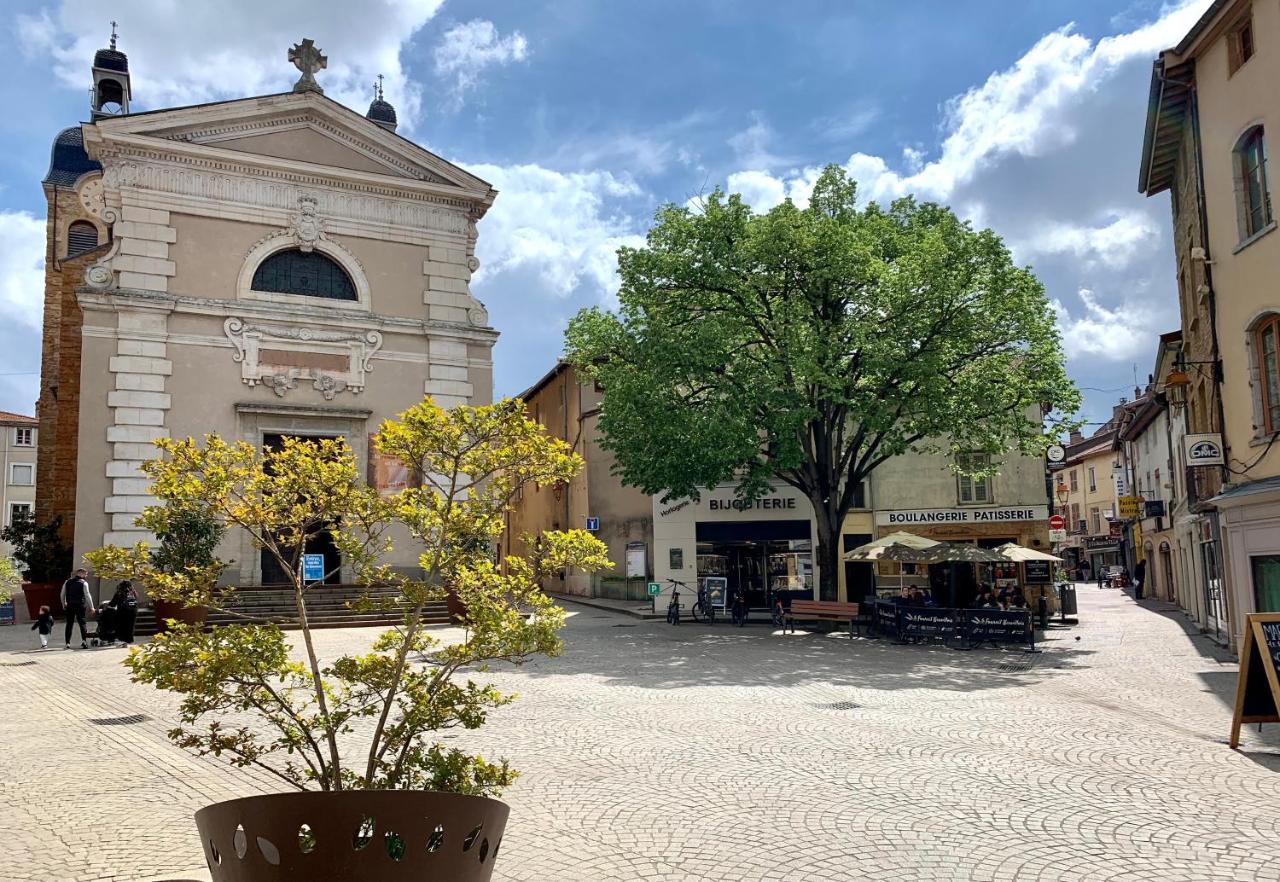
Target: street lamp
point(1175, 387)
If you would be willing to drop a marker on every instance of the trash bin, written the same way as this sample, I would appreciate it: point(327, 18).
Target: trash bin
point(1067, 598)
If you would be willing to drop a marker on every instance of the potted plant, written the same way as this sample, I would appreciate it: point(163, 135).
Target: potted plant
point(378, 796)
point(189, 537)
point(44, 559)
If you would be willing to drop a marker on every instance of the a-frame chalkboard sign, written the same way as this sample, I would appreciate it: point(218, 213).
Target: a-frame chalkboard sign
point(1258, 690)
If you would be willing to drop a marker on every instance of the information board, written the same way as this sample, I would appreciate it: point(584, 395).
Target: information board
point(1258, 689)
point(637, 560)
point(1037, 572)
point(926, 623)
point(717, 590)
point(996, 625)
point(886, 618)
point(312, 567)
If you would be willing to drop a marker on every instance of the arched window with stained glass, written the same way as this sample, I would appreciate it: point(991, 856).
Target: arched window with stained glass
point(307, 274)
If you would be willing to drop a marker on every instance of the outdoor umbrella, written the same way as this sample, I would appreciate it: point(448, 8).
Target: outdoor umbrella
point(1021, 554)
point(901, 539)
point(948, 553)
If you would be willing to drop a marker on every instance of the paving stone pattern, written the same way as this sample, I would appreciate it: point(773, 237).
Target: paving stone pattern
point(693, 753)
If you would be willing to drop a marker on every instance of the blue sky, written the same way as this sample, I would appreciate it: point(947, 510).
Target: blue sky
point(1026, 117)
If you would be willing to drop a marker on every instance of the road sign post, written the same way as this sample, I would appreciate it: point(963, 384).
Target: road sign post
point(654, 589)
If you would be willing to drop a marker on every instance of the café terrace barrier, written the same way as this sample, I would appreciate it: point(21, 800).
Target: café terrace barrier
point(959, 628)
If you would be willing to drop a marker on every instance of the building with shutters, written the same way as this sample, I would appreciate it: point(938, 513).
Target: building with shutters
point(260, 267)
point(18, 435)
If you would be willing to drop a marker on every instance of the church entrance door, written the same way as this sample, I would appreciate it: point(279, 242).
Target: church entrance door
point(318, 543)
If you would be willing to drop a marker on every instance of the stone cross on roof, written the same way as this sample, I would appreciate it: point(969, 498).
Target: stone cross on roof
point(307, 58)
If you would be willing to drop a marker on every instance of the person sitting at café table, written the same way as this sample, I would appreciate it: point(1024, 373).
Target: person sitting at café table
point(928, 597)
point(917, 598)
point(983, 598)
point(904, 596)
point(1017, 599)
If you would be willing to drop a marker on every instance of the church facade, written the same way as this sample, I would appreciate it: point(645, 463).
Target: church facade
point(268, 266)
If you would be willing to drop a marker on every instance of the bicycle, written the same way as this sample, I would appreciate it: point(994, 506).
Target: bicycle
point(779, 611)
point(704, 608)
point(673, 607)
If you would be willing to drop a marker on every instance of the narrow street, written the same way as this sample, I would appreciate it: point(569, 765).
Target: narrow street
point(694, 753)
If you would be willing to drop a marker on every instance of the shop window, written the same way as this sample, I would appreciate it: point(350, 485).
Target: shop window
point(1252, 197)
point(23, 437)
point(82, 236)
point(1266, 362)
point(973, 490)
point(1266, 582)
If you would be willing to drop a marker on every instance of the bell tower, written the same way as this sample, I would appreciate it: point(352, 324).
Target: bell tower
point(110, 94)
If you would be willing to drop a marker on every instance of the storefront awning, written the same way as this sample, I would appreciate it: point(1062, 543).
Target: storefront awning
point(877, 549)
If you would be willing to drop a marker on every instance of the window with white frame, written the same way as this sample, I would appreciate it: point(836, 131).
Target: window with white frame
point(23, 437)
point(20, 511)
point(1093, 481)
point(973, 490)
point(1253, 199)
point(22, 474)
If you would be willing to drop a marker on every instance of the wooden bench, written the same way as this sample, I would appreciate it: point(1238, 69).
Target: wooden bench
point(824, 611)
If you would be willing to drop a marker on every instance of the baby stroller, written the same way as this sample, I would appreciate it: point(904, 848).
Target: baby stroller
point(106, 633)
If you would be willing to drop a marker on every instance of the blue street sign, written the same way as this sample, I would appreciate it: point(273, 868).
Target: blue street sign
point(312, 567)
point(593, 525)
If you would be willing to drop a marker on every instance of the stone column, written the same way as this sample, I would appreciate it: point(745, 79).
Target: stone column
point(139, 406)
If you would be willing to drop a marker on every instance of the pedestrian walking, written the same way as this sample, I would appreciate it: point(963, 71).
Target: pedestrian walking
point(1139, 578)
point(44, 624)
point(76, 601)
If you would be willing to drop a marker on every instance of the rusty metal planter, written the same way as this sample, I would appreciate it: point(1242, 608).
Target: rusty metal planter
point(370, 835)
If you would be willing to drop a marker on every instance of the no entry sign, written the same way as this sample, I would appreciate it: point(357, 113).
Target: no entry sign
point(1057, 522)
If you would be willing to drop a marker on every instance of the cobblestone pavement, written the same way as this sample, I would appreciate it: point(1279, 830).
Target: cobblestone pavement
point(659, 753)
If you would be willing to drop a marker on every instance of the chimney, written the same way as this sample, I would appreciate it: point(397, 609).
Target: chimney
point(1076, 437)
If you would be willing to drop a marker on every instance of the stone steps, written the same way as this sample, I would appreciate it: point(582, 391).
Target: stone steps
point(326, 608)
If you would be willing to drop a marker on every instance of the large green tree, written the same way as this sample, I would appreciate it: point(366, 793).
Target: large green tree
point(813, 345)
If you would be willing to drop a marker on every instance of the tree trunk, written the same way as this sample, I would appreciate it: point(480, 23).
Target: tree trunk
point(828, 556)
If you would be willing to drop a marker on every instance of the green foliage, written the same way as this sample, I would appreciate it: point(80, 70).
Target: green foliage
point(815, 344)
point(10, 579)
point(410, 684)
point(39, 549)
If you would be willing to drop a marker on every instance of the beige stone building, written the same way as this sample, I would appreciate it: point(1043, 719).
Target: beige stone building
point(18, 438)
point(765, 546)
point(268, 266)
point(1085, 492)
point(1214, 114)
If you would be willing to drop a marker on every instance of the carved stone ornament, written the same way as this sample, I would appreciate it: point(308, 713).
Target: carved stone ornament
point(278, 356)
point(306, 226)
point(99, 275)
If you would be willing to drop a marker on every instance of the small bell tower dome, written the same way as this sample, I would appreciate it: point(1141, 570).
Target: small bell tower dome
point(381, 111)
point(111, 92)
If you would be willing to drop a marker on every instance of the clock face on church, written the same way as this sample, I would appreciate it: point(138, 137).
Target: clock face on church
point(92, 196)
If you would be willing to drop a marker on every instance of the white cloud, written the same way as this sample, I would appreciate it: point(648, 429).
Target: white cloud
point(555, 224)
point(465, 50)
point(1115, 244)
point(1020, 111)
point(22, 267)
point(1119, 334)
point(187, 53)
point(751, 145)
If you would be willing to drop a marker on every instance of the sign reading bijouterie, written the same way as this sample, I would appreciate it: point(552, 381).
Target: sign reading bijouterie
point(907, 517)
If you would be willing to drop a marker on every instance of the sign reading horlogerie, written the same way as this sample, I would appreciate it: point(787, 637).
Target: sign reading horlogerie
point(925, 516)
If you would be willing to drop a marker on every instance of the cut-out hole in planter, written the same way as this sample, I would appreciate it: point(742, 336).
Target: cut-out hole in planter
point(364, 834)
point(213, 850)
point(497, 845)
point(436, 840)
point(241, 841)
point(471, 837)
point(306, 839)
point(484, 850)
point(395, 845)
point(269, 851)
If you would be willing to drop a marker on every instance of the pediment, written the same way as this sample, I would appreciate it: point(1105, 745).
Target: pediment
point(294, 128)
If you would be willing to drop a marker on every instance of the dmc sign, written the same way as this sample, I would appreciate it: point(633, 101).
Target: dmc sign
point(1204, 450)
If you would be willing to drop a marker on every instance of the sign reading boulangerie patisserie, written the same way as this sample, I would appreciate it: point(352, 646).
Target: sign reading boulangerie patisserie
point(992, 515)
point(1258, 689)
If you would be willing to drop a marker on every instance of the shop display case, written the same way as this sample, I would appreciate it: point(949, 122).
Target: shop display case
point(791, 571)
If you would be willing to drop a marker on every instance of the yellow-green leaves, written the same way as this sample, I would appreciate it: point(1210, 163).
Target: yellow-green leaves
point(470, 463)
